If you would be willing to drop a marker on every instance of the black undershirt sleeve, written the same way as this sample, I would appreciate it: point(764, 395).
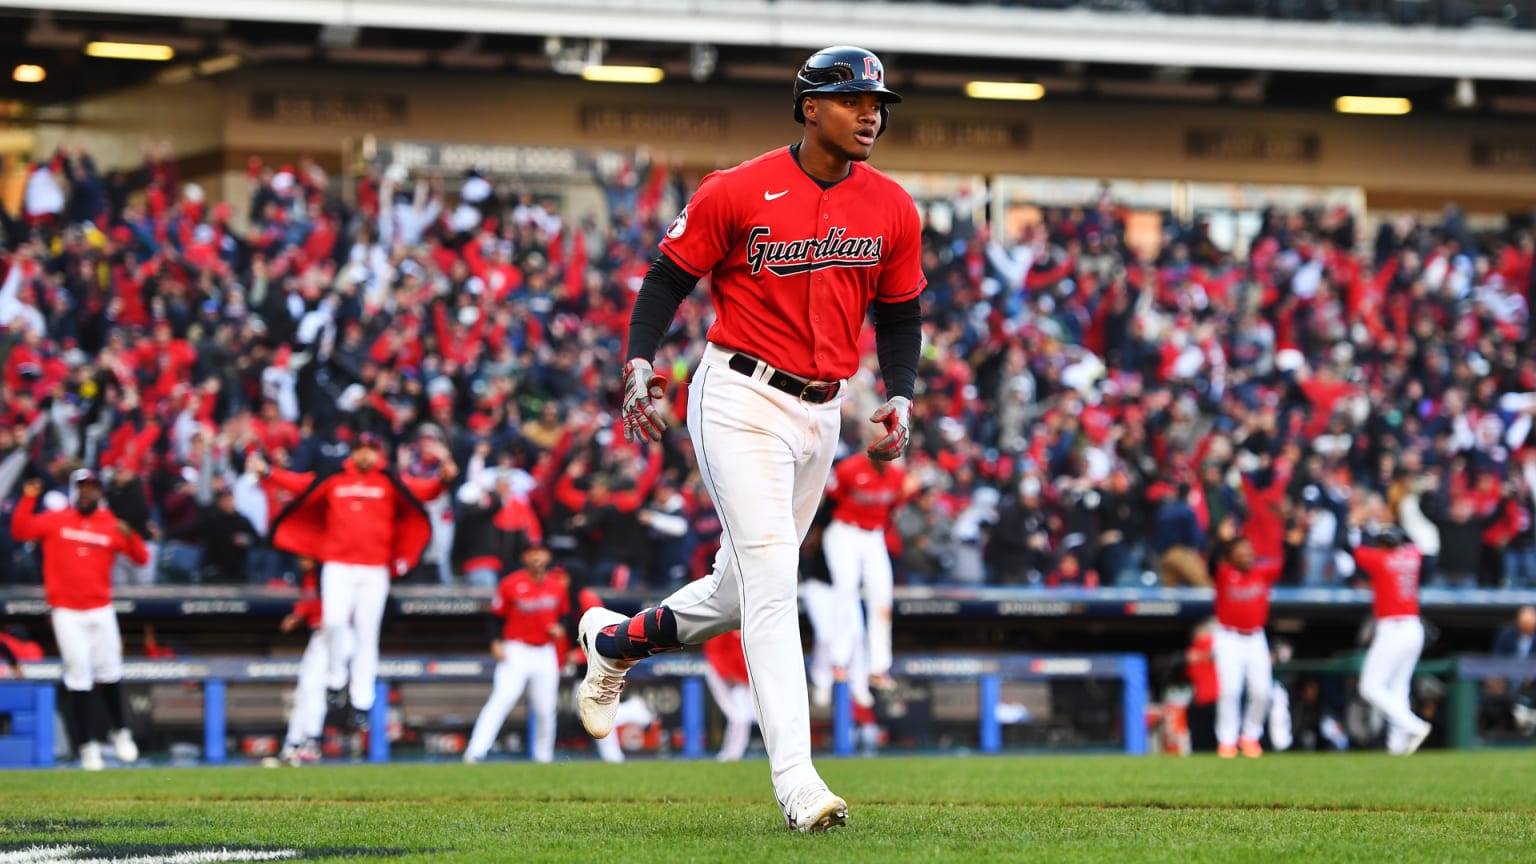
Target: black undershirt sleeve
point(665, 287)
point(899, 342)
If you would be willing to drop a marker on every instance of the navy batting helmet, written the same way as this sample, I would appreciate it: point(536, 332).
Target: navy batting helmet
point(843, 69)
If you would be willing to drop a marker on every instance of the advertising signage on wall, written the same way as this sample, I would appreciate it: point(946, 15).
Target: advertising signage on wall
point(968, 134)
point(1252, 145)
point(648, 122)
point(1503, 155)
point(317, 108)
point(504, 159)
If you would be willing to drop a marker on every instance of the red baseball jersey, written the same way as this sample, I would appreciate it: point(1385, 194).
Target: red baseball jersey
point(1394, 579)
point(862, 494)
point(1242, 597)
point(530, 607)
point(794, 266)
point(727, 658)
point(78, 552)
point(361, 509)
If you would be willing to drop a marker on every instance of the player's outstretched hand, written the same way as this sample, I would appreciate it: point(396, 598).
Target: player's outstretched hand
point(896, 415)
point(32, 488)
point(643, 392)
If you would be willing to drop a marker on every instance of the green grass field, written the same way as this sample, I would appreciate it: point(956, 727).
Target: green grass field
point(1335, 808)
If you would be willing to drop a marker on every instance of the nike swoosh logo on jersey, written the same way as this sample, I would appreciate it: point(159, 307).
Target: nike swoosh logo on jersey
point(774, 196)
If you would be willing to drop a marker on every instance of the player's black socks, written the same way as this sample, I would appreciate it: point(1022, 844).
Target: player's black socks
point(80, 717)
point(112, 697)
point(651, 632)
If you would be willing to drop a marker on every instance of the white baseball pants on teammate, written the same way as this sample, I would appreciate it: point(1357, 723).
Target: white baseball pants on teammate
point(1386, 677)
point(352, 598)
point(1242, 668)
point(632, 712)
point(857, 557)
point(1280, 737)
point(765, 456)
point(307, 720)
point(536, 668)
point(735, 701)
point(90, 646)
point(821, 609)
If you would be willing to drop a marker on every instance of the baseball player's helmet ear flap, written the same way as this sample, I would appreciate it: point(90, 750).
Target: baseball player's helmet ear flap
point(843, 69)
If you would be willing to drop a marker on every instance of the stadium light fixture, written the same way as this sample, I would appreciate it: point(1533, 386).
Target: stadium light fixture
point(130, 51)
point(1021, 91)
point(623, 74)
point(1387, 105)
point(29, 73)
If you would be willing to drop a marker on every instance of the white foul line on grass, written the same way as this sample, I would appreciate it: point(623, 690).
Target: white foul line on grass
point(42, 854)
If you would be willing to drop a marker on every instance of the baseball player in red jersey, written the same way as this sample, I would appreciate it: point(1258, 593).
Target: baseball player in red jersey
point(364, 524)
point(529, 603)
point(864, 491)
point(800, 244)
point(1393, 565)
point(728, 683)
point(79, 545)
point(1240, 648)
point(306, 722)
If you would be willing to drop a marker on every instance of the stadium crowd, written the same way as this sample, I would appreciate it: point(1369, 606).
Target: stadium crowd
point(1085, 416)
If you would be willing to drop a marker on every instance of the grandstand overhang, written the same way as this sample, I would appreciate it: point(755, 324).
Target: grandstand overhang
point(980, 31)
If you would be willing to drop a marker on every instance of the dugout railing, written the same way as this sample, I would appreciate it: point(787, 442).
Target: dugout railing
point(28, 735)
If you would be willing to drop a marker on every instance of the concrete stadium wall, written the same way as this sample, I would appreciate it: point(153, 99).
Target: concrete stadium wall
point(1412, 161)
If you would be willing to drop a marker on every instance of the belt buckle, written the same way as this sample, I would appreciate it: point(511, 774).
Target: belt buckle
point(823, 391)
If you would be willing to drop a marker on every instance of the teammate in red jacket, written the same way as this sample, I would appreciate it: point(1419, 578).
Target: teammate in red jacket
point(79, 544)
point(864, 492)
point(364, 524)
point(1241, 649)
point(729, 684)
point(530, 604)
point(1393, 565)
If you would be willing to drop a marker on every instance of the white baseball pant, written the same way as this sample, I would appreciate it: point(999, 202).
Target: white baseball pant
point(1242, 664)
point(307, 719)
point(765, 456)
point(352, 598)
point(820, 608)
point(857, 557)
point(1386, 676)
point(735, 701)
point(632, 712)
point(1280, 737)
point(536, 668)
point(90, 646)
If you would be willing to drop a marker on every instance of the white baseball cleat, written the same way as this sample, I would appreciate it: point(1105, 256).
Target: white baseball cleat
point(813, 809)
point(597, 699)
point(127, 751)
point(1417, 739)
point(90, 757)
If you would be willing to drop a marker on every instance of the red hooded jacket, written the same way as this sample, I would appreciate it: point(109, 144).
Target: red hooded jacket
point(371, 518)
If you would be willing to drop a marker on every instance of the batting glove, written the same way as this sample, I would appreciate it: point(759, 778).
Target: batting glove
point(896, 414)
point(643, 392)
